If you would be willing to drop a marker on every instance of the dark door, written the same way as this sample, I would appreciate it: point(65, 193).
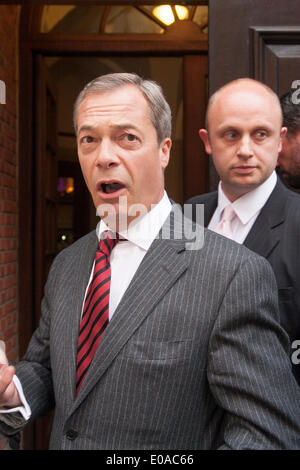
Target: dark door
point(254, 38)
point(45, 205)
point(45, 183)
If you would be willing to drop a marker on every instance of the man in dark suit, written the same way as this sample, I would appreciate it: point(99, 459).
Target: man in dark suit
point(243, 135)
point(192, 356)
point(289, 156)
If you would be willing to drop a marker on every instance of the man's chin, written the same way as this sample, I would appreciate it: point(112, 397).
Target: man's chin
point(239, 187)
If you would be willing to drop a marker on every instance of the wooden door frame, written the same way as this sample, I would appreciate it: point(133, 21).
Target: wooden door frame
point(31, 43)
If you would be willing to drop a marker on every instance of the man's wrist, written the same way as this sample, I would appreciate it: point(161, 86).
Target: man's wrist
point(19, 405)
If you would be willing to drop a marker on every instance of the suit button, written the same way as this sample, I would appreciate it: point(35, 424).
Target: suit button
point(71, 434)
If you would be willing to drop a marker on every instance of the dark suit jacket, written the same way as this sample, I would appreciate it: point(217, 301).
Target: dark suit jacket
point(193, 357)
point(275, 235)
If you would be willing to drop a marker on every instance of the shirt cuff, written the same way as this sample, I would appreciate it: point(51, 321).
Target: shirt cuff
point(24, 410)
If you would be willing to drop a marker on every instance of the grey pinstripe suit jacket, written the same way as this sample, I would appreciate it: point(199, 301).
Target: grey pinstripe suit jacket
point(193, 358)
point(275, 236)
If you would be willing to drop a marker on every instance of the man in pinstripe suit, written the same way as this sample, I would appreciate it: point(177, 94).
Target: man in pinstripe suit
point(193, 356)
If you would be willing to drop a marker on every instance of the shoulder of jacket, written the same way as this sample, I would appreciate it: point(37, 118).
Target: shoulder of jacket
point(201, 198)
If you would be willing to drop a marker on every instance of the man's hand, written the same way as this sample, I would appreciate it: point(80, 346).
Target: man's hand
point(9, 396)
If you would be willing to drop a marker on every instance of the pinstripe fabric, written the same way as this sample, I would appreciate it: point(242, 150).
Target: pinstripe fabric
point(275, 236)
point(193, 357)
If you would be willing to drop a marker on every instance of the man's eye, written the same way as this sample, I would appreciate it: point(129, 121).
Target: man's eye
point(87, 139)
point(230, 135)
point(261, 134)
point(130, 137)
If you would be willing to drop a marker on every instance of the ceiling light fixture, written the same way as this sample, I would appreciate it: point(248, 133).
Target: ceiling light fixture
point(165, 14)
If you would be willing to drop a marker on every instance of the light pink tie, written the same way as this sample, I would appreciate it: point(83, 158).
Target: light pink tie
point(224, 227)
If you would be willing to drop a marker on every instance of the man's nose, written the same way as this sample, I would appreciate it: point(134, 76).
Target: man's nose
point(106, 154)
point(245, 148)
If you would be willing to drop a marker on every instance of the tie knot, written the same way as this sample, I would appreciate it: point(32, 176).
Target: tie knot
point(228, 214)
point(107, 241)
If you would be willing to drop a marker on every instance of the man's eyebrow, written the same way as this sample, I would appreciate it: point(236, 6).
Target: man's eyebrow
point(122, 126)
point(125, 125)
point(227, 127)
point(86, 128)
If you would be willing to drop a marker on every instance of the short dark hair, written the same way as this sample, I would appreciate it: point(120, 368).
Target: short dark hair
point(291, 113)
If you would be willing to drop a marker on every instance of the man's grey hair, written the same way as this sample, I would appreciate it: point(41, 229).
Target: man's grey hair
point(160, 112)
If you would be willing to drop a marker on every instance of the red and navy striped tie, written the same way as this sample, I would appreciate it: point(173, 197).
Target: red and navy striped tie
point(96, 307)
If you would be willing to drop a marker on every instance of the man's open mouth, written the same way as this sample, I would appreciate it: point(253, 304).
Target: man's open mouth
point(109, 188)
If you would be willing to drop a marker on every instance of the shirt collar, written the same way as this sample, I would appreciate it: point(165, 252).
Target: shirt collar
point(143, 231)
point(248, 205)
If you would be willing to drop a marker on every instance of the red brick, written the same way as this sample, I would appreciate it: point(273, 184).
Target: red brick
point(7, 206)
point(3, 442)
point(8, 180)
point(8, 257)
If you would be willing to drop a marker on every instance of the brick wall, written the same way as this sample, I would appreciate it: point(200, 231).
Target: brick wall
point(8, 183)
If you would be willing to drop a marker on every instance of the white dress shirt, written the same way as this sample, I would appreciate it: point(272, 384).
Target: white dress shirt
point(125, 259)
point(246, 207)
point(127, 255)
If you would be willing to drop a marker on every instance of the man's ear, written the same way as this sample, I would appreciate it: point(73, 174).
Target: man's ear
point(282, 134)
point(205, 139)
point(165, 148)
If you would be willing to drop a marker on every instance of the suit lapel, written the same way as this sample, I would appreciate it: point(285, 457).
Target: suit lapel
point(159, 270)
point(209, 208)
point(74, 291)
point(265, 233)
